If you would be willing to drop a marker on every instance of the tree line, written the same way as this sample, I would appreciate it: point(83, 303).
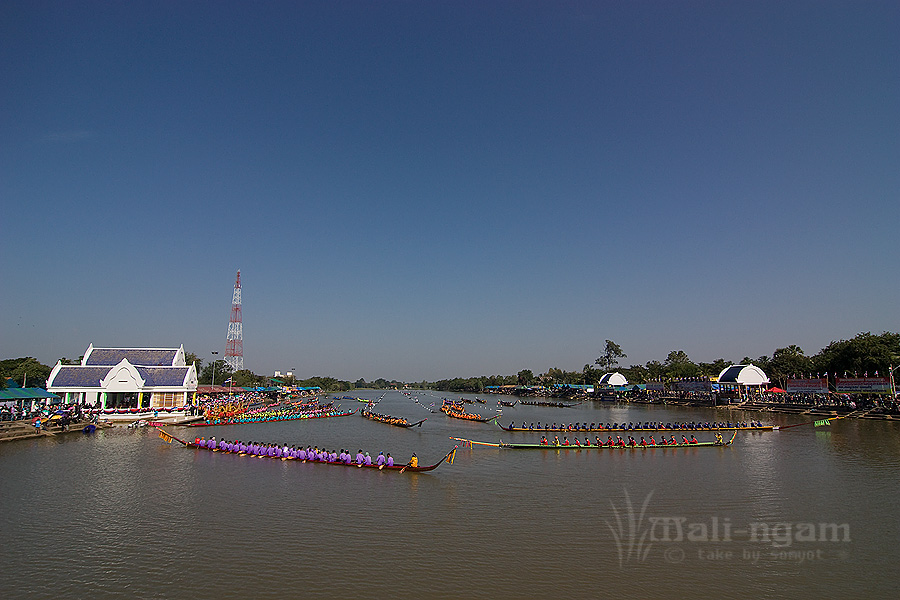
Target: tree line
point(864, 354)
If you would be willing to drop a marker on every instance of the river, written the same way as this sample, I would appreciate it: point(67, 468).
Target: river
point(806, 512)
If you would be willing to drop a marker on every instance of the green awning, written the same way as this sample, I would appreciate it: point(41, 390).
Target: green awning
point(25, 394)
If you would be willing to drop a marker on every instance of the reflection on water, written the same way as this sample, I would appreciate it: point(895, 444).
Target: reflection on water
point(121, 512)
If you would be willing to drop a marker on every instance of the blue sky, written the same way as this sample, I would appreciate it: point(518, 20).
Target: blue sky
point(420, 190)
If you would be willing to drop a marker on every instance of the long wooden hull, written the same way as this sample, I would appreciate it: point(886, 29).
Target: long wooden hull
point(371, 417)
point(168, 437)
point(345, 413)
point(642, 430)
point(508, 446)
point(334, 464)
point(470, 418)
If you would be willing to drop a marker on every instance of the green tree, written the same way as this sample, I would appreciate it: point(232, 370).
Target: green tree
point(525, 377)
point(714, 368)
point(610, 357)
point(637, 374)
point(221, 369)
point(591, 375)
point(679, 365)
point(27, 371)
point(190, 358)
point(247, 378)
point(865, 353)
point(786, 363)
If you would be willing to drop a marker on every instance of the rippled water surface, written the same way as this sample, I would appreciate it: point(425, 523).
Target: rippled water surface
point(121, 513)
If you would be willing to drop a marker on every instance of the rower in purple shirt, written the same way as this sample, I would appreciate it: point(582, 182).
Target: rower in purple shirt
point(390, 460)
point(278, 452)
point(380, 459)
point(368, 460)
point(271, 451)
point(201, 443)
point(301, 454)
point(360, 457)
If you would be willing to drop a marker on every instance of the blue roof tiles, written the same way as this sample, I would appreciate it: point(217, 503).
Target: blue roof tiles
point(78, 376)
point(136, 356)
point(163, 376)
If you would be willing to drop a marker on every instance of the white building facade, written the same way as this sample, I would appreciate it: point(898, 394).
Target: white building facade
point(132, 380)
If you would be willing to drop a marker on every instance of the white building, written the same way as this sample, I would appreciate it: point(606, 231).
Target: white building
point(127, 380)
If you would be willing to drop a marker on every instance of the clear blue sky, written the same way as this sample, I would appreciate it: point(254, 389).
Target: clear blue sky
point(420, 190)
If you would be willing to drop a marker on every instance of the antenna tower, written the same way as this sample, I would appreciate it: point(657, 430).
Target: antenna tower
point(234, 345)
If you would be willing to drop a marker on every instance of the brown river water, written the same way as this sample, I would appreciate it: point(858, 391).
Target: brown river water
point(807, 512)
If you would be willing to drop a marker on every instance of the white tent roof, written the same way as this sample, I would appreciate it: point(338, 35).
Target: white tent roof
point(613, 379)
point(743, 375)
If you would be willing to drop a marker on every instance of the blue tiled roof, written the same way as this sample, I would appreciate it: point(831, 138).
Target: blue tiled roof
point(163, 376)
point(78, 376)
point(136, 356)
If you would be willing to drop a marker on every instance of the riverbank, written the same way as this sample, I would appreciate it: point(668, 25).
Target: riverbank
point(24, 430)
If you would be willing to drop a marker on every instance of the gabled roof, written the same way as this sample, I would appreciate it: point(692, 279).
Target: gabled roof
point(163, 376)
point(149, 357)
point(78, 376)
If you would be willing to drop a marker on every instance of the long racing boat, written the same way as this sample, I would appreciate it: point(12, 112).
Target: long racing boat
point(169, 438)
point(455, 411)
point(508, 446)
point(684, 427)
point(395, 421)
point(244, 420)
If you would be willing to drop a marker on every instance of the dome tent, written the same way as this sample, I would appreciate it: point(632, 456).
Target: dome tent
point(612, 380)
point(743, 375)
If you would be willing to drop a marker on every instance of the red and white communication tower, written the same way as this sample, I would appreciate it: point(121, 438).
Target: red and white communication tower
point(234, 345)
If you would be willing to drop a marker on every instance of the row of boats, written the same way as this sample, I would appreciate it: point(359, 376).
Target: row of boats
point(455, 409)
